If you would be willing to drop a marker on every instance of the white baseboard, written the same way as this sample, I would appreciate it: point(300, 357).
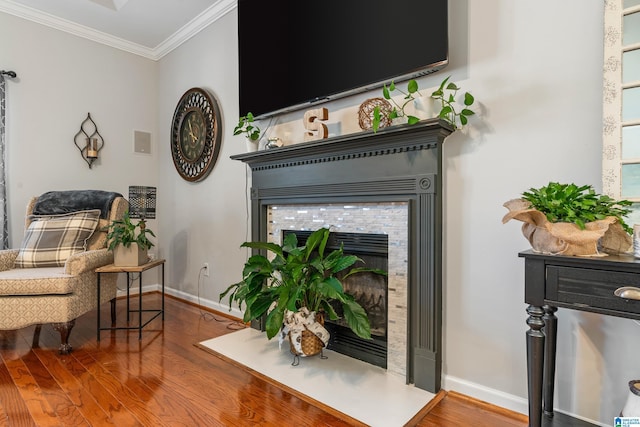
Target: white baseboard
point(497, 397)
point(234, 312)
point(486, 394)
point(133, 290)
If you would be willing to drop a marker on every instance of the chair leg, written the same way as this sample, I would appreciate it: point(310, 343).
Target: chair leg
point(65, 331)
point(113, 312)
point(36, 336)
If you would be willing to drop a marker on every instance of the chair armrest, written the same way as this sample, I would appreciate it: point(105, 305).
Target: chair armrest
point(87, 261)
point(7, 258)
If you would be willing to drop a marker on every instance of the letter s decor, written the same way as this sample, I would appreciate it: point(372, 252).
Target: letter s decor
point(315, 129)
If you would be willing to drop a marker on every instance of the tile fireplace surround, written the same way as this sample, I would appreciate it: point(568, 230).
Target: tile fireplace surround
point(388, 218)
point(398, 166)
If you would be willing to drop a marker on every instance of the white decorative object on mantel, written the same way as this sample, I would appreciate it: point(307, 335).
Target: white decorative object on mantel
point(424, 107)
point(274, 142)
point(252, 144)
point(314, 128)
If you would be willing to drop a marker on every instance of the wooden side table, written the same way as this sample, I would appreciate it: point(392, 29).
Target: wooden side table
point(128, 270)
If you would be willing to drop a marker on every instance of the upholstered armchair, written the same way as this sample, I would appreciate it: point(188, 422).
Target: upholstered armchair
point(51, 278)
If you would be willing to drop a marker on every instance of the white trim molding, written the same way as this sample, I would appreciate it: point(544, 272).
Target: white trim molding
point(497, 397)
point(214, 305)
point(197, 24)
point(200, 302)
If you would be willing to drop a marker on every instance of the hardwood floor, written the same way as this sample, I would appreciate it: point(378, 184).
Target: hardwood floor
point(164, 380)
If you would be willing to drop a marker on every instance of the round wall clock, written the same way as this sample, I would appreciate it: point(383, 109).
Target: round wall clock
point(195, 134)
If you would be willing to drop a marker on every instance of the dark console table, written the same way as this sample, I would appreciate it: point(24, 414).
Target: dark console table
point(608, 285)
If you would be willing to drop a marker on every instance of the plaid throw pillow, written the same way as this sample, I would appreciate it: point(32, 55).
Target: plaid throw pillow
point(51, 239)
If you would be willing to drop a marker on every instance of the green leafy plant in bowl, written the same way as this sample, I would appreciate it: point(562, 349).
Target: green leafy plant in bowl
point(579, 205)
point(567, 219)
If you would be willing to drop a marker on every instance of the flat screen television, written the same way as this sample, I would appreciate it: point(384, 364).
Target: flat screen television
point(296, 53)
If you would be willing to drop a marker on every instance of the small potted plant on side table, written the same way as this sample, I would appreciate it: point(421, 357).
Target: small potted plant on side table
point(129, 241)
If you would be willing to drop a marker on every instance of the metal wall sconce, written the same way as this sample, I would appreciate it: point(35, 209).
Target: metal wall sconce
point(88, 140)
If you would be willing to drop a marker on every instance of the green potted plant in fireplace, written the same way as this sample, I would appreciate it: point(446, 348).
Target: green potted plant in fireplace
point(297, 284)
point(129, 241)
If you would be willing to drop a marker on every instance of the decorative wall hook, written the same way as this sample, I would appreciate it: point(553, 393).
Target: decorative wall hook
point(88, 140)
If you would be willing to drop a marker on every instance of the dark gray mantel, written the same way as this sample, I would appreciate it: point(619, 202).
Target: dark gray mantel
point(401, 164)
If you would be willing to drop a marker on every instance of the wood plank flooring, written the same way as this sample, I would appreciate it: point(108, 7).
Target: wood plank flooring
point(164, 380)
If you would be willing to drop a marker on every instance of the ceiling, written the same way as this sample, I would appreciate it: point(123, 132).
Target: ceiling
point(150, 28)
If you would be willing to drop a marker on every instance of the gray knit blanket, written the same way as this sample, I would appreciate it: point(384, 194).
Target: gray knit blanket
point(62, 202)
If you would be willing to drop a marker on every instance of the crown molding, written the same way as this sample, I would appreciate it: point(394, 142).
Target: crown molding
point(204, 19)
point(193, 27)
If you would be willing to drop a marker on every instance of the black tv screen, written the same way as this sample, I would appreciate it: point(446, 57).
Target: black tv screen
point(293, 53)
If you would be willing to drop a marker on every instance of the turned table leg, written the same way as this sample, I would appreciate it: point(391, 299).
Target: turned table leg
point(535, 363)
point(551, 333)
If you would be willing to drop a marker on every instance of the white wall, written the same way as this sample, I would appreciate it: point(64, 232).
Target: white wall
point(536, 70)
point(204, 221)
point(61, 78)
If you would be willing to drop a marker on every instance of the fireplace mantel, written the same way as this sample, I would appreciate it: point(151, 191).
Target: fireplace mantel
point(400, 138)
point(401, 163)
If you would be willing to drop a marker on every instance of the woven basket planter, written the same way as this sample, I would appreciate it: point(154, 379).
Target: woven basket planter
point(309, 342)
point(305, 332)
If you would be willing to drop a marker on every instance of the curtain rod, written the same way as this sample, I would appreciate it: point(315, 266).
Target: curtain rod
point(11, 74)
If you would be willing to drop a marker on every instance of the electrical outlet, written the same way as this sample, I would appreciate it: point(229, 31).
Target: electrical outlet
point(205, 268)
